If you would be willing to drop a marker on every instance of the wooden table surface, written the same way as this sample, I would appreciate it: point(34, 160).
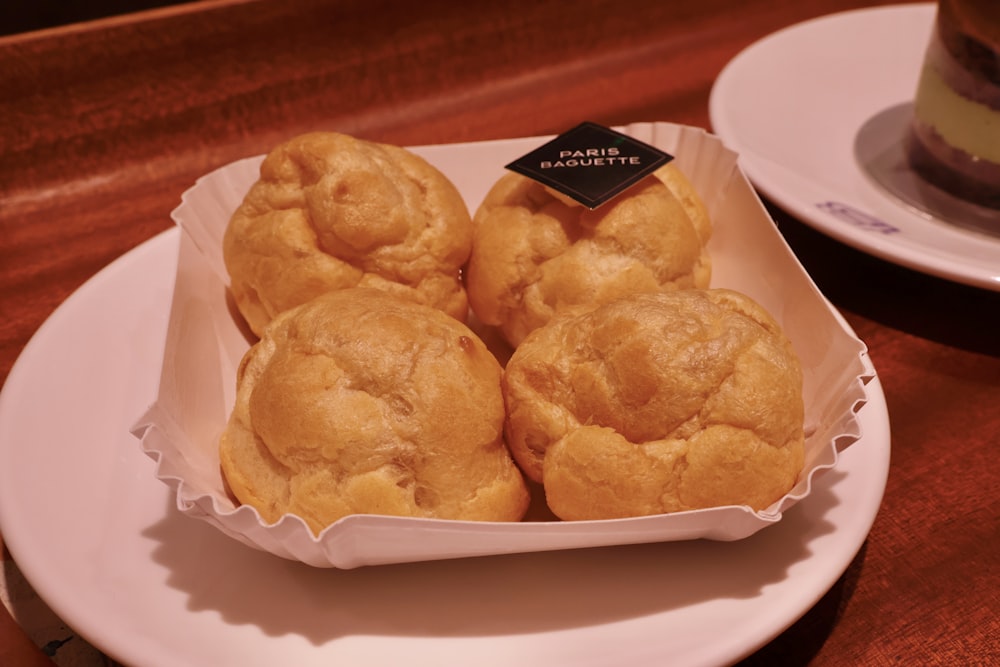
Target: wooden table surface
point(104, 124)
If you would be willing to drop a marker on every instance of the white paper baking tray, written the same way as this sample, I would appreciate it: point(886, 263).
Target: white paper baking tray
point(206, 340)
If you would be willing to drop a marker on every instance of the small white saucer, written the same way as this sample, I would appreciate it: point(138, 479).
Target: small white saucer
point(793, 105)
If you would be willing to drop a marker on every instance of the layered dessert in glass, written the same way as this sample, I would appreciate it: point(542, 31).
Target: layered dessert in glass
point(954, 140)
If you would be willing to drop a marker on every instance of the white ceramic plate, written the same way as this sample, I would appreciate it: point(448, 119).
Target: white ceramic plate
point(792, 105)
point(102, 542)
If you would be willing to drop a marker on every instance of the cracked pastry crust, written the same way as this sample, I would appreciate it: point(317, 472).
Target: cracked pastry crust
point(330, 211)
point(536, 252)
point(362, 402)
point(657, 403)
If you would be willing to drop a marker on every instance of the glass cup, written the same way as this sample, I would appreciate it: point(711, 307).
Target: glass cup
point(954, 137)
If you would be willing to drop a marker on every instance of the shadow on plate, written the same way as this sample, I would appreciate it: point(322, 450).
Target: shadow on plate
point(802, 642)
point(494, 595)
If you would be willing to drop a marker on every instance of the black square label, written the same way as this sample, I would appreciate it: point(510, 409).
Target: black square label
point(591, 163)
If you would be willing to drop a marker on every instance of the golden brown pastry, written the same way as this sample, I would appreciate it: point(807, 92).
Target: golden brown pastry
point(330, 211)
point(362, 402)
point(656, 403)
point(536, 252)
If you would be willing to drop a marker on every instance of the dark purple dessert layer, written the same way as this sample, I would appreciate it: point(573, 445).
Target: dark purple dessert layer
point(951, 169)
point(966, 82)
point(973, 55)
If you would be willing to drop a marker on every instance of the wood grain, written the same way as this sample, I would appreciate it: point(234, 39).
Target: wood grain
point(104, 125)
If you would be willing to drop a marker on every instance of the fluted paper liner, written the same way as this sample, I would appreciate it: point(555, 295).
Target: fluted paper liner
point(206, 340)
